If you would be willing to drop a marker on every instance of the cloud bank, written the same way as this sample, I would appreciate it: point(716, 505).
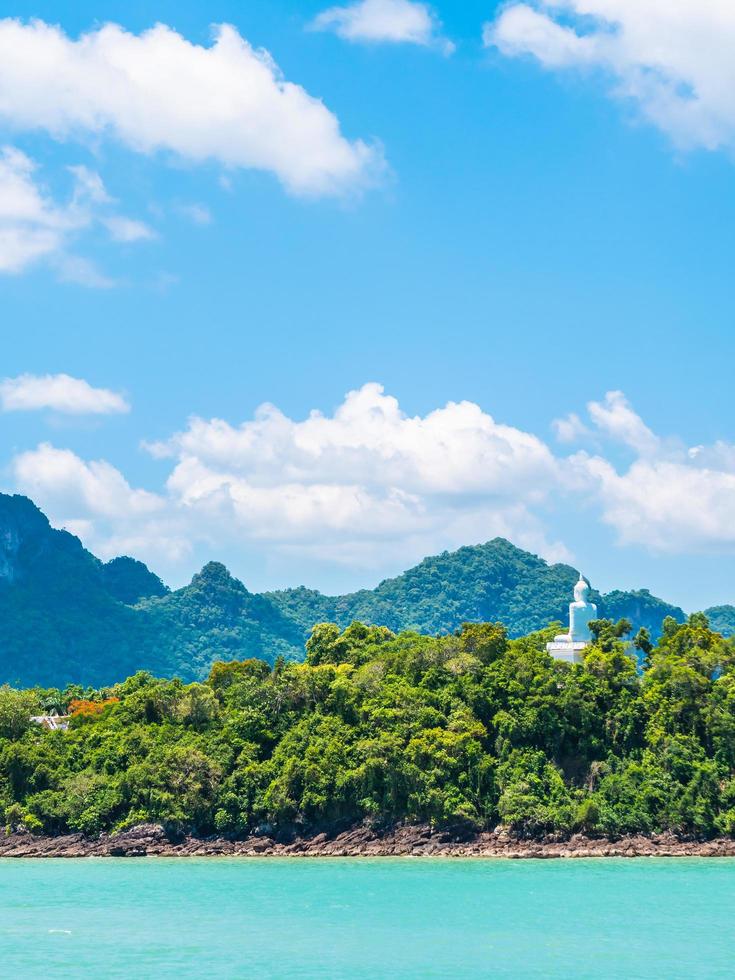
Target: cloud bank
point(369, 486)
point(672, 58)
point(356, 487)
point(157, 91)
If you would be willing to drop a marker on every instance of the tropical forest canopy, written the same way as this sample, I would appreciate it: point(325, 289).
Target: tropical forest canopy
point(464, 731)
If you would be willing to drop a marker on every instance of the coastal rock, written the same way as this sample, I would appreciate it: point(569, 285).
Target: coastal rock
point(137, 842)
point(152, 840)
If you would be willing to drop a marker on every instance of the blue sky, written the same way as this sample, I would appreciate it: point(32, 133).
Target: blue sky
point(535, 219)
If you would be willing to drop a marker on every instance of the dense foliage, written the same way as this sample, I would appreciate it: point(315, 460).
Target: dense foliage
point(464, 731)
point(69, 618)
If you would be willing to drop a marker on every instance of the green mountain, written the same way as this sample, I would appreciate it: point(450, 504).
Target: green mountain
point(493, 582)
point(66, 617)
point(722, 619)
point(213, 618)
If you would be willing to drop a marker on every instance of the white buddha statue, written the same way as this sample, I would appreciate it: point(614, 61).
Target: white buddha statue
point(569, 646)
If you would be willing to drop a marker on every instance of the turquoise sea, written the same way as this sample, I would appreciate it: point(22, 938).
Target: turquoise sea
point(392, 918)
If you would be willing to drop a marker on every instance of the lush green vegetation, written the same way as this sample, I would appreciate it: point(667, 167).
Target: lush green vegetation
point(464, 731)
point(722, 619)
point(484, 583)
point(69, 618)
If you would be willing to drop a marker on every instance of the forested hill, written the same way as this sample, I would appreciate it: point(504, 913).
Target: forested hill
point(463, 732)
point(493, 582)
point(67, 617)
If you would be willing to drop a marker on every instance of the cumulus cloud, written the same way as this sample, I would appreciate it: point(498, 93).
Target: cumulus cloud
point(59, 393)
point(369, 486)
point(157, 91)
point(369, 440)
point(673, 59)
point(364, 474)
point(93, 500)
point(360, 486)
point(666, 505)
point(671, 498)
point(616, 418)
point(59, 478)
point(613, 418)
point(385, 21)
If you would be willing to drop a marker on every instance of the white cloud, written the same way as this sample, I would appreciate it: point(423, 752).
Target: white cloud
point(199, 214)
point(59, 393)
point(361, 486)
point(31, 224)
point(570, 429)
point(666, 505)
point(159, 92)
point(35, 227)
point(59, 479)
point(89, 185)
point(80, 271)
point(615, 418)
point(369, 441)
point(125, 230)
point(670, 498)
point(673, 58)
point(93, 500)
point(385, 21)
point(369, 486)
point(366, 479)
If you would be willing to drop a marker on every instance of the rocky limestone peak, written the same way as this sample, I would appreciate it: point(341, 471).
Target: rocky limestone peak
point(215, 576)
point(20, 522)
point(129, 580)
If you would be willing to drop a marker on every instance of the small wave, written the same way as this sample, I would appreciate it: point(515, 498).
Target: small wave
point(60, 932)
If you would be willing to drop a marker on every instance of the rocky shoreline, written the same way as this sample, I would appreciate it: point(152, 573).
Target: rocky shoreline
point(151, 840)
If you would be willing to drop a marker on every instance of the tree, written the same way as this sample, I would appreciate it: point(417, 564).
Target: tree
point(16, 708)
point(486, 641)
point(606, 633)
point(460, 730)
point(642, 641)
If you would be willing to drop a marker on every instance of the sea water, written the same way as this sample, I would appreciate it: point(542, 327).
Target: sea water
point(369, 918)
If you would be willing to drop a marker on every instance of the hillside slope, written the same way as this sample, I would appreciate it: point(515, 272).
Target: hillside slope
point(722, 619)
point(488, 582)
point(493, 581)
point(60, 618)
point(66, 617)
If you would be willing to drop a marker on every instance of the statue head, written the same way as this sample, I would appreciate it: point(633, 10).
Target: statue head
point(581, 590)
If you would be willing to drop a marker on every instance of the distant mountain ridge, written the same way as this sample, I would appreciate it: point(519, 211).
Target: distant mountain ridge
point(489, 582)
point(67, 617)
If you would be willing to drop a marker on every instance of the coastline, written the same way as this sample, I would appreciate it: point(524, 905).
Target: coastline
point(150, 840)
